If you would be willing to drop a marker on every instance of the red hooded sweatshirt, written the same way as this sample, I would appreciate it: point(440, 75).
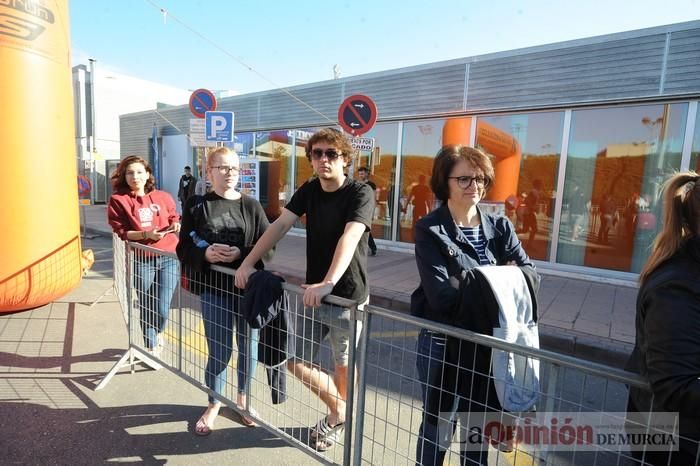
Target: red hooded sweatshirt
point(154, 211)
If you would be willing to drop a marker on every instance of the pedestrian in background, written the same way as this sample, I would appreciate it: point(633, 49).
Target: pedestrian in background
point(421, 198)
point(139, 212)
point(667, 346)
point(186, 187)
point(363, 173)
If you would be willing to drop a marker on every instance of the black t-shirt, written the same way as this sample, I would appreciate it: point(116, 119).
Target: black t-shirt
point(212, 219)
point(326, 217)
point(224, 222)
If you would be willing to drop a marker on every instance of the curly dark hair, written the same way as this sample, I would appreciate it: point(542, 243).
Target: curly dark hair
point(118, 178)
point(332, 137)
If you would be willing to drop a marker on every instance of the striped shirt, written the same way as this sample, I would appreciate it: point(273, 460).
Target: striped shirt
point(476, 238)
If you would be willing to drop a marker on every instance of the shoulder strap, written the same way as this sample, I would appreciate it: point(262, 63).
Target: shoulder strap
point(196, 207)
point(247, 207)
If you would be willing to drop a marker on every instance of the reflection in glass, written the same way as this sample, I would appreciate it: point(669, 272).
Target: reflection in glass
point(273, 149)
point(421, 141)
point(303, 166)
point(617, 161)
point(695, 151)
point(527, 190)
point(243, 144)
point(381, 166)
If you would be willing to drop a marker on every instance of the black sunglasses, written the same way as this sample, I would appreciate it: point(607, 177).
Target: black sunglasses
point(331, 154)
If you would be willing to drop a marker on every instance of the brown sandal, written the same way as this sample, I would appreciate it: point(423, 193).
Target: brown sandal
point(247, 420)
point(201, 428)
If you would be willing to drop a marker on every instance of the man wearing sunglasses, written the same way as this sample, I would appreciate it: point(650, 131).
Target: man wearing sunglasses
point(338, 218)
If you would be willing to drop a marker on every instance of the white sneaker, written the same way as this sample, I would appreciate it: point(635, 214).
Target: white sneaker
point(161, 341)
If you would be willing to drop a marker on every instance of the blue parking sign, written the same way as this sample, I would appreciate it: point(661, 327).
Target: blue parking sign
point(218, 126)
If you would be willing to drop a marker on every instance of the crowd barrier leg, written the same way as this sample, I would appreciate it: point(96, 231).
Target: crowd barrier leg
point(134, 355)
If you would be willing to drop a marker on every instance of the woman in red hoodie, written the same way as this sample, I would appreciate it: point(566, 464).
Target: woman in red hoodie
point(138, 212)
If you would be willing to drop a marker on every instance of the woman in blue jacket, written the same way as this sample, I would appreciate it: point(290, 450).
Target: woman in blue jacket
point(450, 241)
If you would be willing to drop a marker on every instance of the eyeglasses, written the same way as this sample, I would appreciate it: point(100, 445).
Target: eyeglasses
point(465, 181)
point(331, 154)
point(225, 169)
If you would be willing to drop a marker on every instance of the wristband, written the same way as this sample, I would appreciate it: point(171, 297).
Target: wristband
point(144, 235)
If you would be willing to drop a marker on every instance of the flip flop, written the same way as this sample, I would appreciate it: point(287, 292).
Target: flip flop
point(246, 420)
point(324, 436)
point(201, 428)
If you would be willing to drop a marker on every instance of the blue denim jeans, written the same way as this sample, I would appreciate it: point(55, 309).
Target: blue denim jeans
point(155, 279)
point(434, 441)
point(221, 312)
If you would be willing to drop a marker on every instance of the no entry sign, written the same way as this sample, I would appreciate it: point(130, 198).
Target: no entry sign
point(201, 102)
point(357, 114)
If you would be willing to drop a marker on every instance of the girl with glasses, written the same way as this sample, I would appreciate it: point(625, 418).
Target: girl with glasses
point(221, 228)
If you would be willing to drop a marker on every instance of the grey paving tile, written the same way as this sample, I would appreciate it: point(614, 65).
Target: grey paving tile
point(592, 327)
point(558, 323)
point(14, 330)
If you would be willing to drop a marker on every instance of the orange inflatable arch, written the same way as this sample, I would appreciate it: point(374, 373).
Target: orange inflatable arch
point(504, 148)
point(39, 225)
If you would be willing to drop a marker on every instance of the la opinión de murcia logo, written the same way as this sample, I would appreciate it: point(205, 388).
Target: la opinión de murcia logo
point(22, 27)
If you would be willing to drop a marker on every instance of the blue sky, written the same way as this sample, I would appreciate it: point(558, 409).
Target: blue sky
point(211, 43)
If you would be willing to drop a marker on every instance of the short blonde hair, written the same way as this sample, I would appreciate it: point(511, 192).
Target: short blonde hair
point(220, 151)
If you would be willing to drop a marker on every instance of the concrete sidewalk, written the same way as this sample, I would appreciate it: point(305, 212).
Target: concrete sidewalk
point(583, 318)
point(51, 359)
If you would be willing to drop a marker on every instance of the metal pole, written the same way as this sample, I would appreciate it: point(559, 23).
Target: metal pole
point(92, 127)
point(129, 264)
point(248, 373)
point(82, 220)
point(349, 402)
point(179, 324)
point(361, 384)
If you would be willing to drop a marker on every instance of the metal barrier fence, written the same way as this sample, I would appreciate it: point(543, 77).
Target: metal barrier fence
point(193, 325)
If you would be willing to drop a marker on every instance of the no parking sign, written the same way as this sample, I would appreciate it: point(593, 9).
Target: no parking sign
point(202, 101)
point(357, 114)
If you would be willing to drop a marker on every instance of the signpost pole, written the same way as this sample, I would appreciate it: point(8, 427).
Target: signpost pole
point(83, 221)
point(84, 189)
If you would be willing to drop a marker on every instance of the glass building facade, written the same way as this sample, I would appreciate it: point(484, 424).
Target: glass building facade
point(580, 185)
